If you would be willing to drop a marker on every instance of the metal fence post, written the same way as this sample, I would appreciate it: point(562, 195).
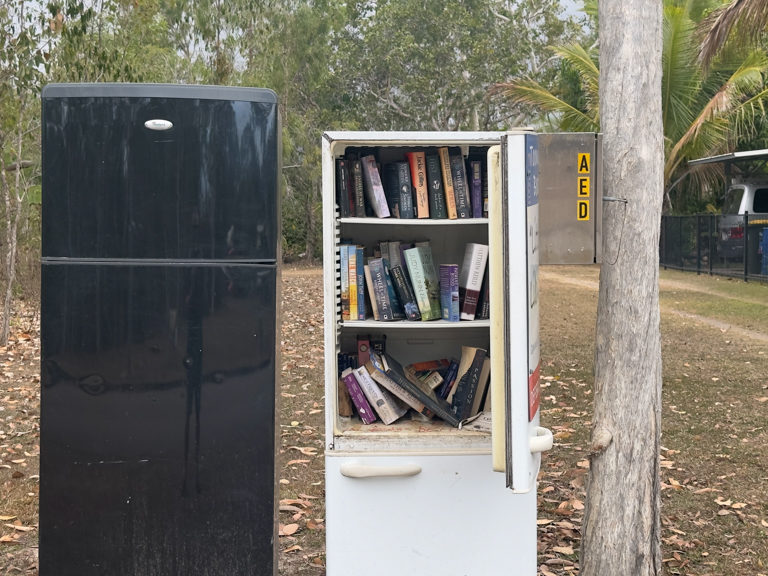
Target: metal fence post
point(698, 244)
point(746, 244)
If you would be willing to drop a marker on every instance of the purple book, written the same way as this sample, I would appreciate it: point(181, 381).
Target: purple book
point(476, 188)
point(367, 414)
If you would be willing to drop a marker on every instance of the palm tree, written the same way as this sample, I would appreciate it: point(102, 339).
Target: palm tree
point(740, 20)
point(705, 110)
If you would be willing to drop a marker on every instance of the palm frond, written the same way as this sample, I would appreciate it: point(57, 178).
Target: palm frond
point(748, 18)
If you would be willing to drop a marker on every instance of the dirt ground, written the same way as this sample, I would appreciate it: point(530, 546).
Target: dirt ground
point(714, 464)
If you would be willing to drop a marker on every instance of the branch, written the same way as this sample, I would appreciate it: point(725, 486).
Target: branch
point(15, 165)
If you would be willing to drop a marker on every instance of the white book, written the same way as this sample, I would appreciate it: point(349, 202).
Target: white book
point(471, 278)
point(384, 403)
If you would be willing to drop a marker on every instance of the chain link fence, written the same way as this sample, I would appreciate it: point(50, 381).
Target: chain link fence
point(726, 245)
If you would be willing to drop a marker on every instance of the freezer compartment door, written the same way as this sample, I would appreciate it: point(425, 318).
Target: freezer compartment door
point(418, 514)
point(158, 420)
point(518, 440)
point(142, 172)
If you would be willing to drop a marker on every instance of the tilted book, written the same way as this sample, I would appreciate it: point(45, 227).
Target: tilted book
point(476, 187)
point(371, 295)
point(483, 311)
point(437, 405)
point(435, 188)
point(445, 167)
point(471, 278)
point(468, 383)
point(482, 387)
point(417, 161)
point(460, 188)
point(374, 190)
point(449, 291)
point(405, 293)
point(358, 398)
point(406, 189)
point(421, 270)
point(383, 402)
point(375, 368)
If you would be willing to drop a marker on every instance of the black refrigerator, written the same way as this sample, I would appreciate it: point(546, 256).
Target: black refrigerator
point(159, 319)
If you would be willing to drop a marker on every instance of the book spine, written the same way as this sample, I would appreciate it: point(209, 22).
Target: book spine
point(344, 274)
point(380, 292)
point(360, 277)
point(381, 400)
point(476, 188)
point(449, 379)
point(342, 187)
point(417, 162)
point(377, 373)
point(466, 387)
point(397, 307)
point(374, 190)
point(371, 295)
point(471, 278)
point(460, 189)
point(352, 272)
point(483, 311)
point(363, 350)
point(485, 192)
point(389, 179)
point(405, 293)
point(435, 188)
point(424, 283)
point(343, 401)
point(358, 398)
point(394, 256)
point(357, 188)
point(450, 197)
point(406, 189)
point(449, 291)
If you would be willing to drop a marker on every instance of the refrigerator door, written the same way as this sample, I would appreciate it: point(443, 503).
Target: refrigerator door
point(517, 437)
point(158, 420)
point(160, 172)
point(415, 514)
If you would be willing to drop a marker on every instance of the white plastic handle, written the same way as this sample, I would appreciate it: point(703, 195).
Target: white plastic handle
point(368, 471)
point(542, 441)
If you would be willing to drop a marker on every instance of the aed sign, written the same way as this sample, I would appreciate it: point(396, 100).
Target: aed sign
point(583, 186)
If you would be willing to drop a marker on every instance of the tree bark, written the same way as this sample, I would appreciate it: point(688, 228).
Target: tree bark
point(622, 521)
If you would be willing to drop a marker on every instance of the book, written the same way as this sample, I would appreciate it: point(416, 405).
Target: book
point(435, 192)
point(476, 188)
point(405, 293)
point(467, 384)
point(344, 279)
point(358, 194)
point(383, 402)
point(360, 280)
point(449, 291)
point(374, 190)
point(482, 387)
point(371, 295)
point(375, 368)
point(380, 290)
point(471, 278)
point(406, 190)
point(363, 349)
point(421, 270)
point(445, 168)
point(449, 378)
point(352, 273)
point(364, 409)
point(343, 401)
point(483, 311)
point(460, 189)
point(417, 162)
point(397, 307)
point(393, 255)
point(389, 179)
point(465, 361)
point(342, 188)
point(436, 405)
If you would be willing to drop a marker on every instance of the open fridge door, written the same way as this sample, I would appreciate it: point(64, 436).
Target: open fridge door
point(518, 440)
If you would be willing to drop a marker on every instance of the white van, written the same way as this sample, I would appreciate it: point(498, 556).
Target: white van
point(742, 197)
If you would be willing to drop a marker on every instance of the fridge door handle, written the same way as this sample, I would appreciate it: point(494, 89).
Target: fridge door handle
point(542, 441)
point(353, 470)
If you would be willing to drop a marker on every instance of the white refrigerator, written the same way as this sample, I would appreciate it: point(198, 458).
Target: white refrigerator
point(422, 497)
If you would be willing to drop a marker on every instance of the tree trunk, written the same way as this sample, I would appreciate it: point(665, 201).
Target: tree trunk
point(621, 523)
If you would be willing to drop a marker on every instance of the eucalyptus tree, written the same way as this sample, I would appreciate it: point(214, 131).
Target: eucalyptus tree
point(706, 111)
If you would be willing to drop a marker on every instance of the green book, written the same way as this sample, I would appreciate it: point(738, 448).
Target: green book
point(421, 269)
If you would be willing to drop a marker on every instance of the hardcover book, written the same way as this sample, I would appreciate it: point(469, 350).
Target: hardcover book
point(405, 293)
point(436, 193)
point(476, 187)
point(449, 291)
point(421, 270)
point(358, 398)
point(357, 188)
point(471, 278)
point(389, 179)
point(445, 168)
point(406, 189)
point(374, 190)
point(375, 368)
point(383, 402)
point(467, 384)
point(417, 161)
point(342, 188)
point(460, 189)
